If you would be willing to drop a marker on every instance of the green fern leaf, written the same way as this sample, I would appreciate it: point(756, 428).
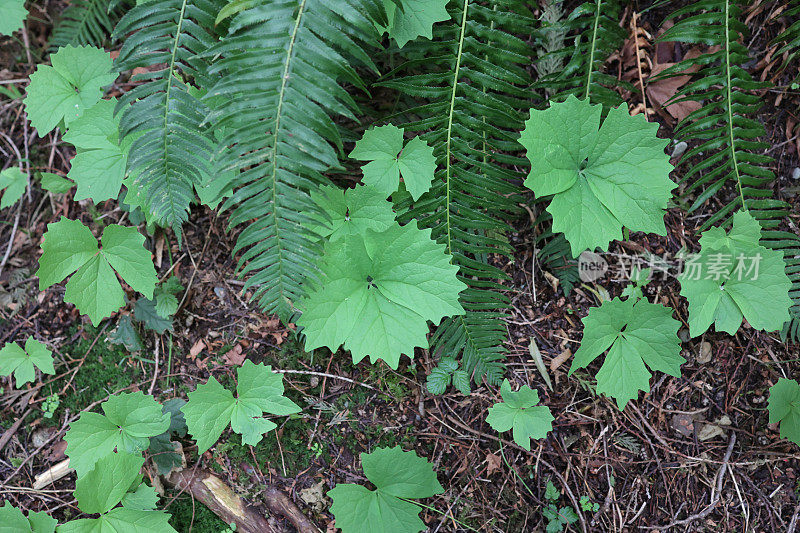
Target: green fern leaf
point(284, 63)
point(789, 39)
point(466, 98)
point(590, 33)
point(86, 22)
point(172, 151)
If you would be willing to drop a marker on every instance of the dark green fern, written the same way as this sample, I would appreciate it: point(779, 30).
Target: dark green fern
point(172, 150)
point(87, 22)
point(283, 63)
point(468, 97)
point(727, 165)
point(593, 34)
point(789, 39)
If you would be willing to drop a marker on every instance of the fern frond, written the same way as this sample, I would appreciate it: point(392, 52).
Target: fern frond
point(555, 254)
point(789, 39)
point(789, 244)
point(728, 161)
point(725, 128)
point(592, 33)
point(284, 62)
point(467, 98)
point(172, 150)
point(86, 22)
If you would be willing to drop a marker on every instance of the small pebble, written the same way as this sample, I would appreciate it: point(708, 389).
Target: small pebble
point(679, 150)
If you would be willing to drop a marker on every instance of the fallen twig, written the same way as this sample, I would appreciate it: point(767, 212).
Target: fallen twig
point(217, 496)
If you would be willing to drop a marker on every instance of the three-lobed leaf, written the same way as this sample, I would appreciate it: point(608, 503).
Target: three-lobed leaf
point(735, 278)
point(350, 211)
point(784, 408)
point(14, 181)
point(211, 407)
point(637, 335)
point(21, 362)
point(389, 160)
point(444, 373)
point(520, 413)
point(378, 293)
point(129, 421)
point(601, 176)
point(66, 89)
point(396, 474)
point(70, 247)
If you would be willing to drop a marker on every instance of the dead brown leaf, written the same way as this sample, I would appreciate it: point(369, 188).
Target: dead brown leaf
point(660, 91)
point(492, 463)
point(196, 348)
point(560, 359)
point(235, 356)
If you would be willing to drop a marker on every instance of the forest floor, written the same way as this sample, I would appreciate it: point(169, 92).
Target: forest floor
point(696, 453)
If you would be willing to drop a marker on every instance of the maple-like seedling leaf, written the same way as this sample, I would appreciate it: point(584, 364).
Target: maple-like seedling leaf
point(784, 408)
point(211, 407)
point(99, 166)
point(14, 181)
point(121, 520)
point(70, 247)
point(21, 361)
point(12, 16)
point(389, 160)
point(350, 211)
point(71, 85)
point(520, 413)
point(635, 333)
point(103, 487)
point(396, 474)
point(130, 420)
point(601, 177)
point(379, 292)
point(13, 521)
point(734, 277)
point(415, 19)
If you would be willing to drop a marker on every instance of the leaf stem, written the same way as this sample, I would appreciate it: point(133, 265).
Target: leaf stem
point(592, 48)
point(729, 103)
point(503, 455)
point(451, 112)
point(443, 513)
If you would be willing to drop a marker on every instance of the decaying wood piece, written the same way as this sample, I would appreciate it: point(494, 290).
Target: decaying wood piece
point(51, 475)
point(223, 502)
point(279, 503)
